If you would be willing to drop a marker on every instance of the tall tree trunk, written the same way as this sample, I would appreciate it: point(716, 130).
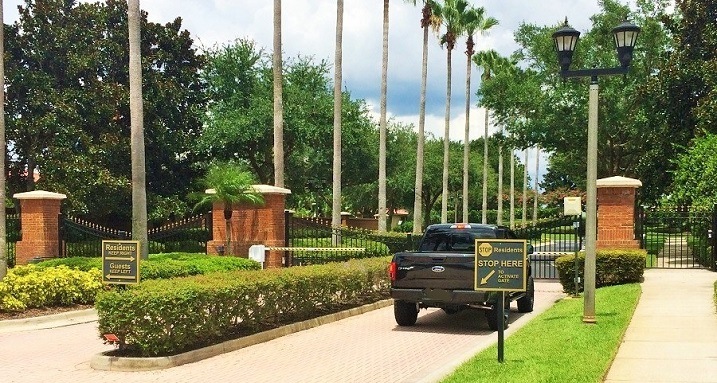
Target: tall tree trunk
point(525, 189)
point(499, 219)
point(278, 100)
point(446, 140)
point(484, 208)
point(3, 222)
point(417, 197)
point(139, 187)
point(512, 189)
point(336, 199)
point(466, 137)
point(537, 169)
point(382, 126)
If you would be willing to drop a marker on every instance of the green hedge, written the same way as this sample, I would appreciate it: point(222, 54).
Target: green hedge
point(29, 286)
point(163, 317)
point(166, 265)
point(612, 267)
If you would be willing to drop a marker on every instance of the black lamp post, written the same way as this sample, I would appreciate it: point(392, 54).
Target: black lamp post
point(566, 39)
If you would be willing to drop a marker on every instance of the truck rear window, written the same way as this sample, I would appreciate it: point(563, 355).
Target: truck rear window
point(462, 241)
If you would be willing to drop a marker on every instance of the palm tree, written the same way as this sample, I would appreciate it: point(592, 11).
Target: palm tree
point(512, 189)
point(278, 100)
point(3, 226)
point(139, 186)
point(336, 202)
point(490, 61)
point(525, 189)
point(427, 20)
point(537, 169)
point(450, 14)
point(229, 184)
point(473, 21)
point(382, 126)
point(499, 216)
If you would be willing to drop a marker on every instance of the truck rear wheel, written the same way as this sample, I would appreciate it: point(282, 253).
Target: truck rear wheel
point(405, 313)
point(494, 320)
point(525, 304)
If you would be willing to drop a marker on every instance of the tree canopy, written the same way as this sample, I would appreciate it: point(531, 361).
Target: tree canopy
point(68, 106)
point(537, 107)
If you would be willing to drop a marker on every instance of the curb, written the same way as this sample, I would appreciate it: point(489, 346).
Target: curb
point(49, 321)
point(104, 362)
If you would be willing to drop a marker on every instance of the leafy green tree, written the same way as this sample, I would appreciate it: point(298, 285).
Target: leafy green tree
point(239, 85)
point(540, 109)
point(680, 98)
point(695, 174)
point(68, 107)
point(230, 184)
point(3, 222)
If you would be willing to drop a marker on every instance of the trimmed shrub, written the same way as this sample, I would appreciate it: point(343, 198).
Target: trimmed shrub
point(612, 267)
point(162, 317)
point(29, 286)
point(162, 266)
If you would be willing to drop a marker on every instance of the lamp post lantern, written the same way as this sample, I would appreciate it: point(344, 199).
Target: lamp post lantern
point(566, 39)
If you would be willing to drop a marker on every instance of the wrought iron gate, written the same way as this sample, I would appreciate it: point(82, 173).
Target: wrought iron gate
point(678, 237)
point(80, 238)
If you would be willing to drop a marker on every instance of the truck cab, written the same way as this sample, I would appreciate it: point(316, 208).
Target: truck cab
point(442, 274)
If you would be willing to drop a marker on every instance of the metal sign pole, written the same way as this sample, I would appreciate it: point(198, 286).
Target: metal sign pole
point(576, 279)
point(501, 325)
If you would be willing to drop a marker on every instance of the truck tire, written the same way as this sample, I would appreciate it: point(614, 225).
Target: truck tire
point(405, 313)
point(525, 304)
point(493, 318)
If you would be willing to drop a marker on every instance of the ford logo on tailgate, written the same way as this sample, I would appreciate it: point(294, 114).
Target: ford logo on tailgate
point(438, 269)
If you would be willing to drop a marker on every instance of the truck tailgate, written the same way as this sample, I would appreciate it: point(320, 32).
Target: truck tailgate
point(434, 270)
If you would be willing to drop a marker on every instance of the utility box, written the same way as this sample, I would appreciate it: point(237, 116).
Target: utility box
point(572, 206)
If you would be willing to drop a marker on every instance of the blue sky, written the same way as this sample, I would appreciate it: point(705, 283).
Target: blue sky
point(309, 27)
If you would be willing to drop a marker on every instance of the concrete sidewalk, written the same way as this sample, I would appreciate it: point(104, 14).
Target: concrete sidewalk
point(673, 334)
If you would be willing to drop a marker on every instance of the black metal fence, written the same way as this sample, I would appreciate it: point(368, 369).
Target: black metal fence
point(552, 238)
point(311, 237)
point(81, 238)
point(678, 236)
point(13, 233)
point(189, 235)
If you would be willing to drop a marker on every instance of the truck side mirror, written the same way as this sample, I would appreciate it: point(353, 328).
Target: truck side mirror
point(530, 249)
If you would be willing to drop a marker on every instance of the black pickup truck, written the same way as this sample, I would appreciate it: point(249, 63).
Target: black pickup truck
point(441, 274)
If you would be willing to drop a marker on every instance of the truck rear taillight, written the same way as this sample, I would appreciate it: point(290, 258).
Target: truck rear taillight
point(392, 271)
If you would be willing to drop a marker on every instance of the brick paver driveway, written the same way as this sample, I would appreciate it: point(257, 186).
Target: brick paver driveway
point(364, 348)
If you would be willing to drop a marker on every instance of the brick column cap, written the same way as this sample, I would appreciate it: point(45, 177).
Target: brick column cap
point(39, 194)
point(618, 181)
point(263, 189)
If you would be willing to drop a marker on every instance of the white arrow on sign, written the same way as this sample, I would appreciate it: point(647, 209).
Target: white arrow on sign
point(484, 280)
point(113, 276)
point(131, 259)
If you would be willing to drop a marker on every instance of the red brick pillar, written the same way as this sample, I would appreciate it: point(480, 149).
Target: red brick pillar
point(39, 222)
point(616, 213)
point(253, 225)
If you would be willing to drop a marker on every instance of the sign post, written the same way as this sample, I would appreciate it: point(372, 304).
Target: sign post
point(120, 262)
point(501, 265)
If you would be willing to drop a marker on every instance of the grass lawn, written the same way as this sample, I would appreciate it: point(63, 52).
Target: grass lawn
point(557, 346)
